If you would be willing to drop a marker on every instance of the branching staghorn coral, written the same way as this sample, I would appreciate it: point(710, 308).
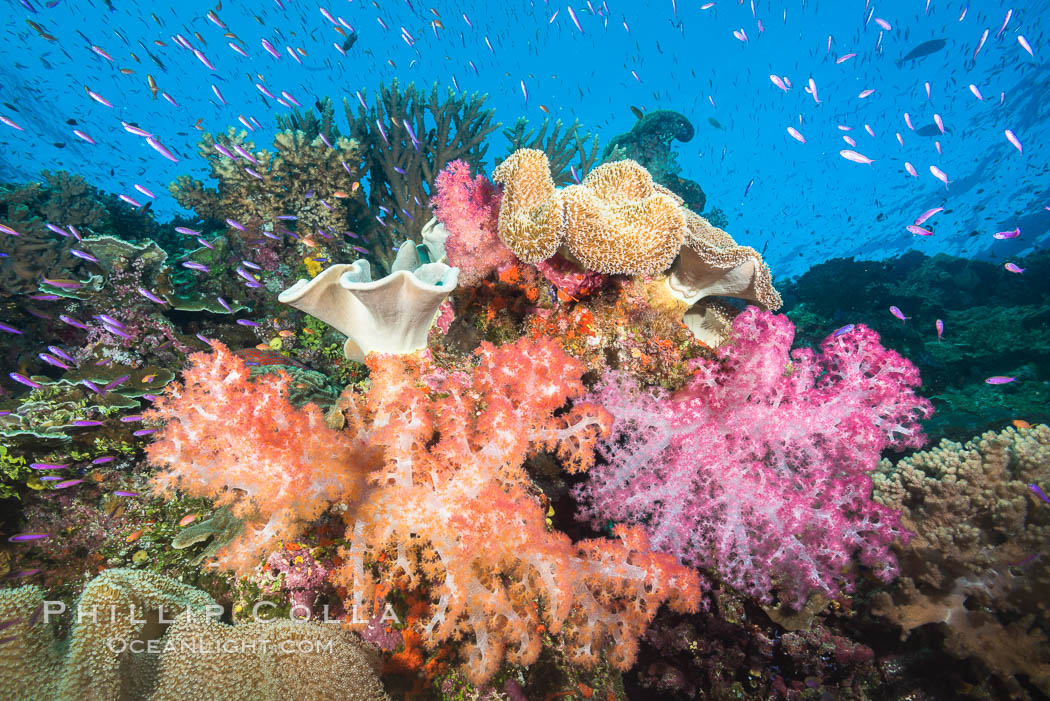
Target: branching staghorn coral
point(575, 149)
point(976, 564)
point(407, 136)
point(312, 123)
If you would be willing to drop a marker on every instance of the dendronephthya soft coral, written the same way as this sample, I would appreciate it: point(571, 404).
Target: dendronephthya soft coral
point(454, 511)
point(759, 467)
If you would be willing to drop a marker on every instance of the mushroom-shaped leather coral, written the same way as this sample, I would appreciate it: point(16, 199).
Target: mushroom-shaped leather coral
point(711, 264)
point(390, 315)
point(530, 213)
point(617, 221)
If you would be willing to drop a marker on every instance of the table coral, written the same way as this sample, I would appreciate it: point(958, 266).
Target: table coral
point(976, 564)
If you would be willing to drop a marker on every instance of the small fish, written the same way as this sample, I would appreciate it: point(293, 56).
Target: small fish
point(1020, 423)
point(47, 466)
point(939, 325)
point(68, 483)
point(999, 380)
point(843, 330)
point(1013, 268)
point(150, 296)
point(188, 519)
point(918, 230)
point(976, 92)
point(132, 537)
point(144, 432)
point(895, 311)
point(86, 422)
point(22, 379)
point(72, 322)
point(122, 493)
point(855, 157)
point(1035, 488)
point(104, 459)
point(148, 378)
point(194, 265)
point(119, 381)
point(1007, 234)
point(1012, 138)
point(161, 149)
point(748, 188)
point(921, 219)
point(27, 537)
point(235, 225)
point(9, 329)
point(911, 169)
point(940, 175)
point(866, 93)
point(796, 135)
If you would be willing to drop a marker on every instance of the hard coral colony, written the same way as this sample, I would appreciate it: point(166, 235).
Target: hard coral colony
point(529, 431)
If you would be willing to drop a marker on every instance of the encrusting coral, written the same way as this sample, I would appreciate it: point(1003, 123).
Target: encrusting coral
point(139, 635)
point(267, 661)
point(976, 563)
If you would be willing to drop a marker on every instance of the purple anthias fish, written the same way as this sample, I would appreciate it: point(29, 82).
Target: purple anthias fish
point(895, 311)
point(999, 380)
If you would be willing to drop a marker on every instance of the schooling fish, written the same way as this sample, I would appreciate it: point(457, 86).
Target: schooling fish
point(922, 50)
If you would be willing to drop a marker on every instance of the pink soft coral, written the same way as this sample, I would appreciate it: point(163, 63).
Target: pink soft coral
point(759, 468)
point(469, 209)
point(454, 512)
point(243, 444)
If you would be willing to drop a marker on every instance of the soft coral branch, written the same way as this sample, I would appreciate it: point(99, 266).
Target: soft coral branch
point(759, 468)
point(453, 510)
point(242, 444)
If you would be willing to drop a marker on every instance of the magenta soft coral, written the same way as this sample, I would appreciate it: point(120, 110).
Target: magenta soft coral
point(759, 468)
point(469, 209)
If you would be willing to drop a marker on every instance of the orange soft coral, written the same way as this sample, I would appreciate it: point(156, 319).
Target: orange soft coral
point(244, 445)
point(453, 510)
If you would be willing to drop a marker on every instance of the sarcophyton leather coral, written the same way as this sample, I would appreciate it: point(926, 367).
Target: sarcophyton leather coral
point(453, 512)
point(759, 467)
point(244, 445)
point(617, 221)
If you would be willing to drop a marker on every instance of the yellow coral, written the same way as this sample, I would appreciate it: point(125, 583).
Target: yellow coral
point(617, 221)
point(530, 213)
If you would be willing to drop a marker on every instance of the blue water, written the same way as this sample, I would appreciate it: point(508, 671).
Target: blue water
point(807, 203)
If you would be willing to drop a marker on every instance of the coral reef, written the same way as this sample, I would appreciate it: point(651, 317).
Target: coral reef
point(469, 211)
point(712, 471)
point(453, 508)
point(993, 325)
point(975, 565)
